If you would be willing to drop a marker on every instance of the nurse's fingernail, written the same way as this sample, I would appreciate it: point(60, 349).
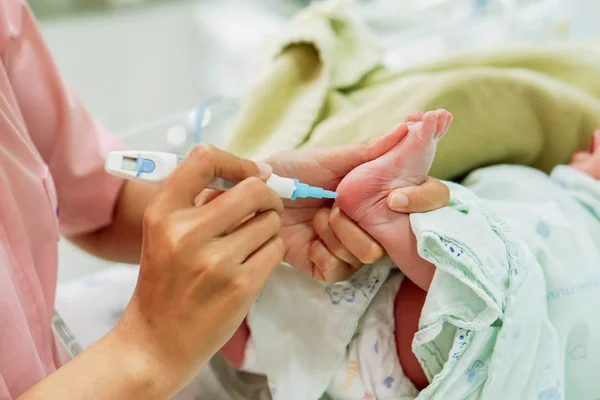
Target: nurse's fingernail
point(398, 200)
point(264, 170)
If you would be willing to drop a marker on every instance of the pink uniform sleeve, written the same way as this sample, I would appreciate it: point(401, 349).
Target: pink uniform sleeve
point(69, 140)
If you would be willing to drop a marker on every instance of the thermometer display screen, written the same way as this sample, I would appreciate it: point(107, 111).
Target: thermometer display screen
point(129, 164)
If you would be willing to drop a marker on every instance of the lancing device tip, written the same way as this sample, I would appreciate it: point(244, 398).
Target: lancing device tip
point(304, 191)
point(328, 194)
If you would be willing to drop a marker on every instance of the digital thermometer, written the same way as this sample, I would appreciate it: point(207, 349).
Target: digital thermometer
point(154, 167)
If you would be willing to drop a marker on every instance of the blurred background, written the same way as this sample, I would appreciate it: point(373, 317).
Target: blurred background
point(142, 65)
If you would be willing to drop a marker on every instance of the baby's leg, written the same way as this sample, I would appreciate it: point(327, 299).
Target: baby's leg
point(407, 312)
point(235, 348)
point(363, 193)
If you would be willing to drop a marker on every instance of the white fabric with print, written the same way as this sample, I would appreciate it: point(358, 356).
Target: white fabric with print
point(511, 312)
point(370, 370)
point(301, 328)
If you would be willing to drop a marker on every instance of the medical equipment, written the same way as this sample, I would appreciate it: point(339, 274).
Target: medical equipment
point(207, 123)
point(154, 167)
point(63, 333)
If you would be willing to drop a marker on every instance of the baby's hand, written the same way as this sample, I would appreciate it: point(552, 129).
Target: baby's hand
point(589, 161)
point(342, 246)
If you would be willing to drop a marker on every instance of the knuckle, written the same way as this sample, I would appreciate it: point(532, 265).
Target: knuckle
point(321, 221)
point(337, 219)
point(255, 185)
point(277, 203)
point(240, 284)
point(266, 195)
point(217, 260)
point(445, 195)
point(204, 154)
point(338, 249)
point(334, 215)
point(370, 255)
point(212, 262)
point(258, 190)
point(249, 186)
point(202, 151)
point(163, 232)
point(279, 245)
point(273, 221)
point(314, 251)
point(275, 252)
point(435, 193)
point(152, 219)
point(325, 260)
point(420, 200)
point(173, 245)
point(329, 263)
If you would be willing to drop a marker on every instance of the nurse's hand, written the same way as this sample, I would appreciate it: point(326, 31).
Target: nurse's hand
point(200, 269)
point(320, 239)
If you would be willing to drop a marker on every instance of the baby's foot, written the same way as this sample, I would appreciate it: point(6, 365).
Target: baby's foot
point(363, 192)
point(362, 195)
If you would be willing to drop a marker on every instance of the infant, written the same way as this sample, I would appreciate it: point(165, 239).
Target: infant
point(360, 345)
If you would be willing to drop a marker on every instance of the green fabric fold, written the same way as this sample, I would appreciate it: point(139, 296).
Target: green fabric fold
point(326, 86)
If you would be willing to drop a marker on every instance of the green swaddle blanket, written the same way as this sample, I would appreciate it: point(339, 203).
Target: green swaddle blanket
point(326, 86)
point(511, 311)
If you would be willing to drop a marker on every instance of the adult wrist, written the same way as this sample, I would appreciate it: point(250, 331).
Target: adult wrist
point(146, 375)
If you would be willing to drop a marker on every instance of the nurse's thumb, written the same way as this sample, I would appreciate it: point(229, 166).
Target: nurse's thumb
point(430, 195)
point(205, 163)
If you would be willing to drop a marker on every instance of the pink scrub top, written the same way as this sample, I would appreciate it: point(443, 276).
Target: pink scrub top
point(52, 181)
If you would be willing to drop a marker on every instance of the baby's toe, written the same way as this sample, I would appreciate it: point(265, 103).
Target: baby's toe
point(427, 128)
point(444, 121)
point(414, 117)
